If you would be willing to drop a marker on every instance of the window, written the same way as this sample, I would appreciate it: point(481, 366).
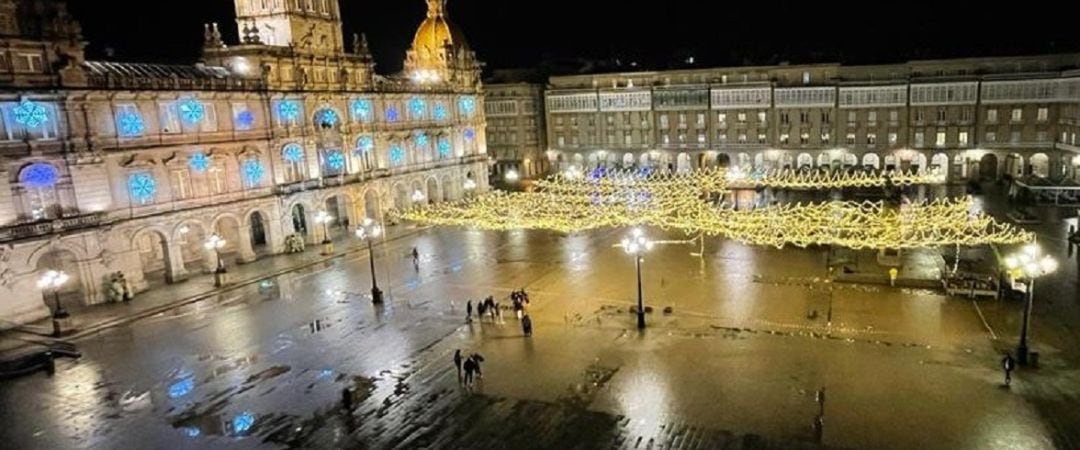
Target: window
point(920, 139)
point(826, 117)
point(611, 138)
point(894, 116)
point(362, 110)
point(920, 115)
point(682, 138)
point(806, 78)
point(785, 118)
point(29, 119)
point(169, 118)
point(991, 116)
point(804, 117)
point(1017, 115)
point(1043, 114)
point(941, 114)
point(721, 118)
point(293, 156)
point(243, 118)
point(965, 115)
point(871, 139)
point(666, 138)
point(1014, 137)
point(940, 141)
point(663, 121)
point(963, 138)
point(561, 140)
point(701, 120)
point(701, 137)
point(38, 181)
point(129, 121)
point(217, 182)
point(826, 137)
point(851, 117)
point(893, 137)
point(610, 119)
point(142, 187)
point(742, 117)
point(741, 138)
point(180, 182)
point(1041, 136)
point(574, 140)
point(991, 136)
point(761, 138)
point(628, 139)
point(290, 112)
point(558, 121)
point(784, 138)
point(804, 138)
point(761, 117)
point(850, 139)
point(682, 119)
point(872, 117)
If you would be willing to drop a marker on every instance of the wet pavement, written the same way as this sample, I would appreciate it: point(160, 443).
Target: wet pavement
point(760, 351)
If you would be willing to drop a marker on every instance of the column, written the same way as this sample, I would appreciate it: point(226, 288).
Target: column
point(175, 271)
point(245, 253)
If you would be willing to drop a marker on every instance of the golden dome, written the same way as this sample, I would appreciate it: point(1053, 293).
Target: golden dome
point(437, 31)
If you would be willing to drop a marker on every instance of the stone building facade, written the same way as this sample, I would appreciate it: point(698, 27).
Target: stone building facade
point(979, 118)
point(516, 138)
point(124, 167)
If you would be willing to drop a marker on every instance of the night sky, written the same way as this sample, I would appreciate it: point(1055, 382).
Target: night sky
point(523, 33)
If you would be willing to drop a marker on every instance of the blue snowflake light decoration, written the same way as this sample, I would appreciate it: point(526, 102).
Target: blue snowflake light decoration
point(335, 160)
point(470, 134)
point(30, 114)
point(467, 105)
point(417, 107)
point(142, 186)
point(130, 124)
point(243, 422)
point(199, 162)
point(253, 172)
point(440, 112)
point(397, 155)
point(245, 120)
point(182, 387)
point(392, 114)
point(365, 144)
point(288, 110)
point(361, 109)
point(39, 175)
point(421, 139)
point(327, 118)
point(192, 111)
point(292, 153)
point(445, 150)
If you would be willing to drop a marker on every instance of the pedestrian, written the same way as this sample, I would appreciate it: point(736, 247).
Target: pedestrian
point(477, 359)
point(1008, 364)
point(415, 255)
point(468, 311)
point(526, 325)
point(457, 363)
point(470, 367)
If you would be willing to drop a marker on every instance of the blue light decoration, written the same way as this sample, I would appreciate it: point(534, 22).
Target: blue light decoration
point(397, 155)
point(470, 134)
point(392, 114)
point(440, 112)
point(445, 150)
point(328, 118)
point(245, 120)
point(361, 109)
point(421, 139)
point(335, 160)
point(191, 432)
point(243, 422)
point(192, 111)
point(467, 105)
point(365, 144)
point(130, 124)
point(30, 114)
point(142, 186)
point(199, 162)
point(253, 172)
point(182, 387)
point(39, 176)
point(288, 110)
point(417, 107)
point(293, 153)
point(326, 373)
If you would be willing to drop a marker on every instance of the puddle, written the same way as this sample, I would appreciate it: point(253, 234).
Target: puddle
point(594, 379)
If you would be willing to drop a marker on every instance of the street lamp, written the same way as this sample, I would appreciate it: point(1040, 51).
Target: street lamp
point(53, 280)
point(215, 243)
point(512, 176)
point(470, 185)
point(418, 197)
point(368, 232)
point(1027, 264)
point(323, 218)
point(637, 244)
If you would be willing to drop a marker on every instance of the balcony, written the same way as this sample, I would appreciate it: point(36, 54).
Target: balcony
point(43, 228)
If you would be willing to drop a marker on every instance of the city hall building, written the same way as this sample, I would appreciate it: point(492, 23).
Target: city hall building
point(112, 167)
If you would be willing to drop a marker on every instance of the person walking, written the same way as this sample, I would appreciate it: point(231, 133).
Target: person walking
point(468, 311)
point(1008, 364)
point(477, 359)
point(416, 259)
point(470, 367)
point(457, 363)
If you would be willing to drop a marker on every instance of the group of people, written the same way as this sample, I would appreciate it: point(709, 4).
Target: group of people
point(470, 366)
point(488, 307)
point(520, 299)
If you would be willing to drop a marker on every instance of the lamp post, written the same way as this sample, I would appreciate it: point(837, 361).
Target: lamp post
point(469, 186)
point(215, 243)
point(512, 176)
point(53, 280)
point(369, 231)
point(636, 245)
point(1027, 264)
point(418, 197)
point(324, 218)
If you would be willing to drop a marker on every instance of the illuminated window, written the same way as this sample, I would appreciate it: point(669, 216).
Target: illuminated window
point(253, 172)
point(293, 155)
point(199, 162)
point(397, 155)
point(288, 112)
point(334, 160)
point(38, 181)
point(467, 105)
point(417, 107)
point(392, 114)
point(142, 187)
point(361, 110)
point(129, 122)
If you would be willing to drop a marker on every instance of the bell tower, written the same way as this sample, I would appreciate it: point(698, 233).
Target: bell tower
point(307, 25)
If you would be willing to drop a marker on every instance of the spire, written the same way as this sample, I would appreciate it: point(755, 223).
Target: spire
point(436, 8)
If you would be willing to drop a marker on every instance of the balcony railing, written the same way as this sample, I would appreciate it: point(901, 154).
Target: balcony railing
point(47, 227)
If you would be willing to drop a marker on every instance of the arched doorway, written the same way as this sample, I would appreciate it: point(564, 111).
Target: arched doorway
point(805, 161)
point(628, 161)
point(228, 227)
point(258, 232)
point(371, 205)
point(417, 196)
point(988, 167)
point(432, 190)
point(824, 160)
point(447, 187)
point(939, 164)
point(871, 161)
point(1040, 165)
point(190, 238)
point(1014, 165)
point(337, 206)
point(71, 293)
point(299, 220)
point(723, 160)
point(401, 197)
point(154, 257)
